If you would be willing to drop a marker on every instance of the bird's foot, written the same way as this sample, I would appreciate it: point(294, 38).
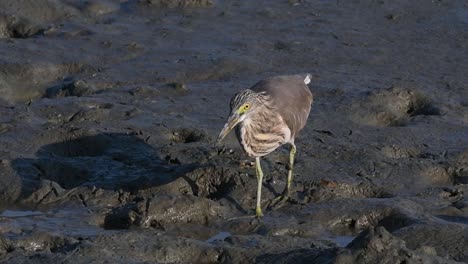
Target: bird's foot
point(279, 202)
point(242, 217)
point(258, 215)
point(258, 212)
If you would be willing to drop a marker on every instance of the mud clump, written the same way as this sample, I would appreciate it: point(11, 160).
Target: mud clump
point(400, 152)
point(14, 27)
point(69, 88)
point(300, 256)
point(39, 12)
point(377, 245)
point(24, 81)
point(353, 222)
point(326, 190)
point(214, 183)
point(187, 135)
point(458, 168)
point(438, 175)
point(180, 3)
point(39, 241)
point(163, 210)
point(99, 7)
point(394, 107)
point(144, 92)
point(447, 239)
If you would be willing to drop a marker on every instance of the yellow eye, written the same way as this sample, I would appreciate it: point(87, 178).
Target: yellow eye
point(244, 108)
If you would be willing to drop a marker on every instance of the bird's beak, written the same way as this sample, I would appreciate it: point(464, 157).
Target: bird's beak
point(233, 120)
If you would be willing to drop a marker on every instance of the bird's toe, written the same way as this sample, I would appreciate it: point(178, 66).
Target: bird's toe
point(278, 202)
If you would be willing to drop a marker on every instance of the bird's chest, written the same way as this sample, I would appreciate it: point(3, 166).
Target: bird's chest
point(258, 138)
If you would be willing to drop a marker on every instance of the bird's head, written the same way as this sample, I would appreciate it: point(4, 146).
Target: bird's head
point(242, 105)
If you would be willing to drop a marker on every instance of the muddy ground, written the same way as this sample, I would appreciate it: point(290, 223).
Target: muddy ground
point(109, 111)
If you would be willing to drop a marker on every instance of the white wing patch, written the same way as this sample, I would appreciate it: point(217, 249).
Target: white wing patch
point(307, 79)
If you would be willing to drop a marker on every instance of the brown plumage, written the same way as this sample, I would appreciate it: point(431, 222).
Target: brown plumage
point(269, 114)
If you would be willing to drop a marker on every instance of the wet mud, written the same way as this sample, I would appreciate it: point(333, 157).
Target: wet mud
point(109, 111)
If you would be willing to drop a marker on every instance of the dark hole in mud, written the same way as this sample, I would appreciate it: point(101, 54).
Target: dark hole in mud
point(213, 182)
point(221, 190)
point(460, 175)
point(121, 218)
point(390, 219)
point(395, 221)
point(63, 248)
point(21, 33)
point(422, 107)
point(395, 106)
point(156, 225)
point(410, 102)
point(186, 135)
point(68, 87)
point(88, 146)
point(172, 160)
point(14, 27)
point(180, 88)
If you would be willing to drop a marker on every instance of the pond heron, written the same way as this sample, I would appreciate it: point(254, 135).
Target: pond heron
point(269, 114)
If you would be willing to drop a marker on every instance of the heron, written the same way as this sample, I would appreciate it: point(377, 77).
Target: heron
point(270, 114)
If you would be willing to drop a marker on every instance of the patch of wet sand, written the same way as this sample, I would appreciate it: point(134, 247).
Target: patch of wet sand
point(109, 111)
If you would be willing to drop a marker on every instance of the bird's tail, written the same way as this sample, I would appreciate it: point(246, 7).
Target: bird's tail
point(308, 78)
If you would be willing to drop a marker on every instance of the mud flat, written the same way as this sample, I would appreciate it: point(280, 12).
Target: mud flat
point(109, 111)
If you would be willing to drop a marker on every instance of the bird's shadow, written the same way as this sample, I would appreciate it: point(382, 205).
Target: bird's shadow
point(108, 161)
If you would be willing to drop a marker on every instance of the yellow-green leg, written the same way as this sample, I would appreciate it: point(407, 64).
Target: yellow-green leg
point(285, 195)
point(292, 154)
point(258, 208)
